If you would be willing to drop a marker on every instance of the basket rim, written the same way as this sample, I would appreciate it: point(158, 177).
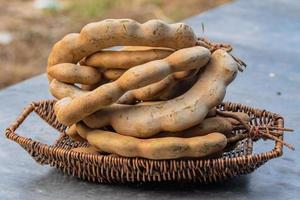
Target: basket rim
point(45, 149)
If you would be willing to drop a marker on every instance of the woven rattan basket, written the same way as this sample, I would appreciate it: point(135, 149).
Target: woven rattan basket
point(106, 168)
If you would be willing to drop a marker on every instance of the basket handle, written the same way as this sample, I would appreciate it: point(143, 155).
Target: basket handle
point(10, 131)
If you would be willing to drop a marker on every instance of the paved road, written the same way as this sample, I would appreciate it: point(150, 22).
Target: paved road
point(265, 34)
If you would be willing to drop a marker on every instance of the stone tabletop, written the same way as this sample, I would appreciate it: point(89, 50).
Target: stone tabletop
point(265, 34)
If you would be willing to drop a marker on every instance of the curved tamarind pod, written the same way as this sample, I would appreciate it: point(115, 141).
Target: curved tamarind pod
point(178, 75)
point(117, 32)
point(108, 59)
point(61, 90)
point(177, 114)
point(241, 115)
point(179, 87)
point(154, 148)
point(71, 73)
point(148, 92)
point(156, 91)
point(89, 150)
point(213, 124)
point(71, 111)
point(113, 74)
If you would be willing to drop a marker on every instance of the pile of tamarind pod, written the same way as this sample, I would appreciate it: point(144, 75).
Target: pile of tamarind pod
point(155, 97)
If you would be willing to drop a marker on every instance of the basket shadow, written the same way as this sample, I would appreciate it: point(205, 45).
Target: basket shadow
point(55, 179)
point(239, 184)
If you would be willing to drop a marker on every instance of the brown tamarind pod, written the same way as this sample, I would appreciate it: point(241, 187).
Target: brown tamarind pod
point(177, 114)
point(71, 73)
point(167, 88)
point(179, 87)
point(208, 125)
point(153, 148)
point(108, 59)
point(117, 32)
point(70, 111)
point(62, 90)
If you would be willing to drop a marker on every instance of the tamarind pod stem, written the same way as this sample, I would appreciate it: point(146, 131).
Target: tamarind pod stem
point(61, 90)
point(71, 73)
point(265, 133)
point(71, 111)
point(108, 59)
point(154, 148)
point(177, 114)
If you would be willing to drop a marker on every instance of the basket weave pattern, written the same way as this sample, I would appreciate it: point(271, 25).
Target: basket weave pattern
point(108, 169)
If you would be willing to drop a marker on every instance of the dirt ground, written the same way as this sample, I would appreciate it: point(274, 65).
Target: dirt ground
point(30, 32)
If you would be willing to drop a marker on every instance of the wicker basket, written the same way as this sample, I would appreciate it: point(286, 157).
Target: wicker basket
point(106, 168)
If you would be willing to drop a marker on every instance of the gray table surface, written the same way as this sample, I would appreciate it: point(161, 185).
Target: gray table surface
point(265, 34)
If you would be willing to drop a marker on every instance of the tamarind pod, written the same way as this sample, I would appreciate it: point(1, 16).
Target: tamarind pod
point(89, 150)
point(113, 74)
point(177, 114)
point(179, 87)
point(241, 115)
point(120, 32)
point(208, 125)
point(61, 90)
point(71, 111)
point(148, 92)
point(71, 73)
point(156, 91)
point(108, 59)
point(72, 133)
point(154, 148)
point(103, 117)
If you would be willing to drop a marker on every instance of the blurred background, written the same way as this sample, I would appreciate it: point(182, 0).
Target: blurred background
point(29, 28)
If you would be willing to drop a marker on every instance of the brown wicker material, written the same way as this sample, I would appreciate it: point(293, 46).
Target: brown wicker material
point(106, 168)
